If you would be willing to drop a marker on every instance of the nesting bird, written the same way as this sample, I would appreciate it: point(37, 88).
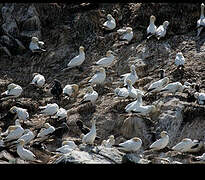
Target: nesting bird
point(173, 88)
point(99, 77)
point(127, 35)
point(38, 80)
point(179, 60)
point(131, 145)
point(131, 76)
point(162, 142)
point(162, 30)
point(61, 114)
point(22, 114)
point(133, 91)
point(91, 95)
point(151, 29)
point(13, 91)
point(56, 89)
point(36, 45)
point(110, 24)
point(106, 61)
point(90, 137)
point(45, 132)
point(133, 105)
point(71, 90)
point(49, 109)
point(201, 21)
point(27, 136)
point(158, 85)
point(122, 92)
point(109, 143)
point(67, 146)
point(200, 97)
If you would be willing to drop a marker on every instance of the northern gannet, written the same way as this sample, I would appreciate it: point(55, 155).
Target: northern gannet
point(45, 132)
point(27, 136)
point(201, 21)
point(15, 132)
point(36, 45)
point(110, 24)
point(49, 109)
point(71, 90)
point(91, 95)
point(200, 97)
point(133, 105)
point(161, 30)
point(22, 114)
point(133, 91)
point(61, 114)
point(158, 85)
point(184, 146)
point(179, 60)
point(109, 143)
point(56, 89)
point(145, 110)
point(131, 76)
point(77, 60)
point(151, 29)
point(106, 61)
point(162, 142)
point(25, 154)
point(131, 145)
point(38, 80)
point(127, 35)
point(90, 137)
point(99, 77)
point(13, 91)
point(122, 92)
point(67, 146)
point(173, 88)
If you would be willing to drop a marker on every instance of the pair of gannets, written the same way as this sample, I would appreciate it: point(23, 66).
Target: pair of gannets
point(110, 24)
point(46, 131)
point(200, 97)
point(130, 76)
point(106, 61)
point(71, 90)
point(126, 34)
point(67, 146)
point(36, 45)
point(90, 136)
point(91, 95)
point(22, 114)
point(187, 145)
point(133, 105)
point(158, 85)
point(38, 80)
point(99, 77)
point(77, 60)
point(153, 30)
point(49, 109)
point(179, 60)
point(13, 91)
point(201, 21)
point(108, 143)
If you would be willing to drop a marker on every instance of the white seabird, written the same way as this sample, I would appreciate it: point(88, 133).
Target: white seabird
point(201, 158)
point(25, 154)
point(158, 85)
point(122, 92)
point(161, 30)
point(45, 132)
point(49, 109)
point(67, 146)
point(179, 60)
point(27, 136)
point(133, 91)
point(13, 91)
point(15, 132)
point(110, 24)
point(99, 77)
point(22, 114)
point(61, 114)
point(90, 136)
point(162, 142)
point(201, 21)
point(173, 88)
point(131, 145)
point(133, 105)
point(77, 60)
point(90, 95)
point(106, 61)
point(200, 97)
point(151, 29)
point(38, 80)
point(127, 35)
point(145, 110)
point(131, 76)
point(70, 90)
point(36, 45)
point(109, 143)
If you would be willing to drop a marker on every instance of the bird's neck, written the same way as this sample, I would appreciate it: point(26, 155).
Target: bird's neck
point(82, 53)
point(93, 128)
point(202, 12)
point(139, 99)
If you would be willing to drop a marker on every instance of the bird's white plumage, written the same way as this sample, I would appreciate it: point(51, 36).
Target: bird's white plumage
point(133, 92)
point(202, 157)
point(13, 90)
point(144, 110)
point(179, 60)
point(173, 87)
point(162, 29)
point(35, 44)
point(151, 29)
point(21, 113)
point(91, 95)
point(158, 85)
point(38, 80)
point(61, 113)
point(162, 142)
point(122, 92)
point(131, 145)
point(200, 97)
point(201, 21)
point(67, 147)
point(131, 76)
point(27, 136)
point(106, 61)
point(133, 105)
point(109, 143)
point(184, 146)
point(49, 109)
point(15, 134)
point(49, 129)
point(99, 77)
point(127, 35)
point(90, 136)
point(110, 24)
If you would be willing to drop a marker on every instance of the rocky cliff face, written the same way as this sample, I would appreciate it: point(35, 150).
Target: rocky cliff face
point(65, 27)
